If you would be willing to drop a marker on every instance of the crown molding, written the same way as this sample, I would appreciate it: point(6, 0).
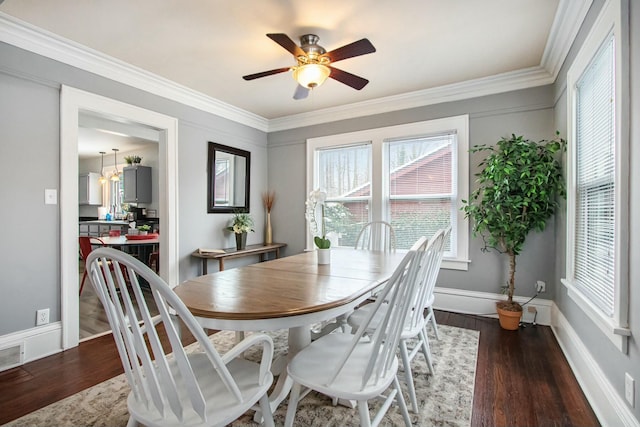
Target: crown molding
point(521, 79)
point(37, 40)
point(567, 22)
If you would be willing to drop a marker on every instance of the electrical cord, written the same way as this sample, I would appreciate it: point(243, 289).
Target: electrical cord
point(490, 314)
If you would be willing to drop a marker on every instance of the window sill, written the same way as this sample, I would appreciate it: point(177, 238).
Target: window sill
point(617, 334)
point(455, 264)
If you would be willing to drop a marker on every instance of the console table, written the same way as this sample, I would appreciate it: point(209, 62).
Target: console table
point(259, 249)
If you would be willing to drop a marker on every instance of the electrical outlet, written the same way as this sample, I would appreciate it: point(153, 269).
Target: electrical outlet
point(541, 286)
point(629, 389)
point(42, 317)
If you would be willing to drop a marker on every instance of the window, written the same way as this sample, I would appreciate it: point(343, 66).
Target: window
point(413, 176)
point(598, 147)
point(421, 186)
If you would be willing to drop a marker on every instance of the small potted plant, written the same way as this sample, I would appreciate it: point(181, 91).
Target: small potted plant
point(519, 187)
point(241, 224)
point(133, 160)
point(143, 230)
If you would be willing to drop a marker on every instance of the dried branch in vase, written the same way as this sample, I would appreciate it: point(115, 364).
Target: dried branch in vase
point(268, 199)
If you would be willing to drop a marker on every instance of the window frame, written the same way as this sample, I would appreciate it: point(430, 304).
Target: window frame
point(612, 21)
point(378, 138)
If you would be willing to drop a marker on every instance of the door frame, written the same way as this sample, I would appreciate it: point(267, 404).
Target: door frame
point(72, 102)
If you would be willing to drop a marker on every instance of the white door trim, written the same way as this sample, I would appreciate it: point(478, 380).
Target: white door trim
point(72, 102)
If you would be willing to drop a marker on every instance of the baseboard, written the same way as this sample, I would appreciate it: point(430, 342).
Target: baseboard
point(484, 304)
point(610, 408)
point(38, 342)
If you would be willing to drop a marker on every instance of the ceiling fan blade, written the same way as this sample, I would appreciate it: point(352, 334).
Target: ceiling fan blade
point(301, 92)
point(349, 79)
point(357, 48)
point(266, 73)
point(286, 42)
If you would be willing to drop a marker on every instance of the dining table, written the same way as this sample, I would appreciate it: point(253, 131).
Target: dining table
point(139, 246)
point(152, 239)
point(291, 293)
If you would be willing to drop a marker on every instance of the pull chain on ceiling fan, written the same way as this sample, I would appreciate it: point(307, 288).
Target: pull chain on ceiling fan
point(313, 63)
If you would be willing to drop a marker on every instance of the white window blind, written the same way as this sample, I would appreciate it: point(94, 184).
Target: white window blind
point(345, 174)
point(594, 245)
point(422, 187)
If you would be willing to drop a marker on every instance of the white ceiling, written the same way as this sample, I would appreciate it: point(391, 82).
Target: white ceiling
point(98, 133)
point(208, 45)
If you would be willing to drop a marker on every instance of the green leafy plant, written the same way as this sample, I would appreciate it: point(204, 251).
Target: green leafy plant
point(144, 228)
point(519, 188)
point(132, 160)
point(241, 223)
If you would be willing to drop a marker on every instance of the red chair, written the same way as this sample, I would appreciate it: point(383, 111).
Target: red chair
point(86, 246)
point(85, 249)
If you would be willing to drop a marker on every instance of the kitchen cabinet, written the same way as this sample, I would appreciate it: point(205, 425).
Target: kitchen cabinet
point(137, 184)
point(89, 189)
point(99, 228)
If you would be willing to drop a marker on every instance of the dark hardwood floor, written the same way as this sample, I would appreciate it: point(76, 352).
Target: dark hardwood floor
point(522, 377)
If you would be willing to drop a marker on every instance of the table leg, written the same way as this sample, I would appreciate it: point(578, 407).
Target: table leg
point(204, 266)
point(220, 264)
point(299, 338)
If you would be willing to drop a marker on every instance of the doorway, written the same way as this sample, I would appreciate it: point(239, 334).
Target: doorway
point(73, 103)
point(104, 178)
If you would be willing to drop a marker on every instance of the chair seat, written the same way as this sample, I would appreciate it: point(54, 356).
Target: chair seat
point(224, 408)
point(356, 318)
point(314, 365)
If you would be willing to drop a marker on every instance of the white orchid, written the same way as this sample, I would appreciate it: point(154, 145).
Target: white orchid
point(315, 202)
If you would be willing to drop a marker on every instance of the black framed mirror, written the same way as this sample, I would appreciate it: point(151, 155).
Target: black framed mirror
point(228, 172)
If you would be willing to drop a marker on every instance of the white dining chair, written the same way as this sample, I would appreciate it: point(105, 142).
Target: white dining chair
point(414, 329)
point(377, 236)
point(186, 389)
point(430, 316)
point(364, 365)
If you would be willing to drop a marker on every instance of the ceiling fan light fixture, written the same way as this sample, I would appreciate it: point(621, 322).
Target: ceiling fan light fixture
point(311, 75)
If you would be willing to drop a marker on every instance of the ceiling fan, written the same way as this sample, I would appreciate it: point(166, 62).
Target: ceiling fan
point(313, 62)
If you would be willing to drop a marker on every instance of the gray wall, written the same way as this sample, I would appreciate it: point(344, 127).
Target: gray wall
point(526, 112)
point(30, 162)
point(611, 361)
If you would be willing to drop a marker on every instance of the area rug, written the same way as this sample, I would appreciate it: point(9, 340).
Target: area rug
point(445, 399)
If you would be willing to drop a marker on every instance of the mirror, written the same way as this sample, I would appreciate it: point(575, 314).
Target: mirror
point(228, 179)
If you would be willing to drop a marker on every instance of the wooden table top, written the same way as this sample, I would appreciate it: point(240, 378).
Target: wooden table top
point(288, 286)
point(233, 252)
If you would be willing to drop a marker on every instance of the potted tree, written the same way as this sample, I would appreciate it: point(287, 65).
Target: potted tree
point(519, 187)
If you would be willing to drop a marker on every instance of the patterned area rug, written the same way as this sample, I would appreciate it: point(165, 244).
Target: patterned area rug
point(445, 399)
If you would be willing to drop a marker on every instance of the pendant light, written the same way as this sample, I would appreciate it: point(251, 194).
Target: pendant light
point(115, 177)
point(102, 178)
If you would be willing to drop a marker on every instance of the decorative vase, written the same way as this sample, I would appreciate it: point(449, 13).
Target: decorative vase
point(241, 241)
point(324, 256)
point(268, 234)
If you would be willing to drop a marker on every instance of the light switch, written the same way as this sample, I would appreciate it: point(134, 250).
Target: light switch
point(50, 196)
